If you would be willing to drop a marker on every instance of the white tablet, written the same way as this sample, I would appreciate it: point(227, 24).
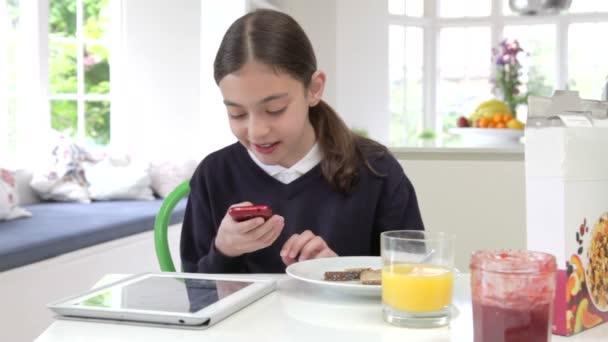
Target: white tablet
point(184, 299)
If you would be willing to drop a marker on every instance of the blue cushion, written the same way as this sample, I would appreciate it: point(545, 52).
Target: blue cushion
point(57, 228)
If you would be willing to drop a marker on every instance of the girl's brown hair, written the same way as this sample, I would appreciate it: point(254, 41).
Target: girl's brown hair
point(277, 40)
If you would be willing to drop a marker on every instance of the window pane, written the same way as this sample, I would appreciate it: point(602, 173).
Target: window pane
point(464, 51)
point(11, 66)
point(459, 97)
point(62, 18)
point(8, 72)
point(62, 68)
point(464, 8)
point(396, 7)
point(538, 59)
point(414, 8)
point(506, 10)
point(405, 77)
point(464, 72)
point(579, 6)
point(96, 70)
point(64, 116)
point(587, 65)
point(97, 121)
point(96, 18)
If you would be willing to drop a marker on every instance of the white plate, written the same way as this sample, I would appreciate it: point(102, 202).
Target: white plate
point(488, 136)
point(311, 271)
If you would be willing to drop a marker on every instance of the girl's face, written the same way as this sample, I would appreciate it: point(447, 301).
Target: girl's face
point(268, 112)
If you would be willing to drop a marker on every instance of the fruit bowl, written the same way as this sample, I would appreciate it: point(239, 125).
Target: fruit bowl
point(488, 136)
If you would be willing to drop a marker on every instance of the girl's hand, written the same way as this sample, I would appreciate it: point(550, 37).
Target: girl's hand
point(237, 238)
point(305, 246)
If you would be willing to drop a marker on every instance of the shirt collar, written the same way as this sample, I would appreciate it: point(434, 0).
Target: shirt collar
point(310, 160)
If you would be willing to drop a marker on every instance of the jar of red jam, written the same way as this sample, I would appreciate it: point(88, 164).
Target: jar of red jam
point(512, 293)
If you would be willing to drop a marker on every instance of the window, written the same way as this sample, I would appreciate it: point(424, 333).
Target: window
point(9, 21)
point(79, 69)
point(54, 73)
point(406, 86)
point(440, 57)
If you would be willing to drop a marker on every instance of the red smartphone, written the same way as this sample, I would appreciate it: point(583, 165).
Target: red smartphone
point(246, 212)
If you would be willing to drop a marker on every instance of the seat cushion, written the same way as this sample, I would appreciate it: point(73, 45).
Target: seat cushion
point(58, 227)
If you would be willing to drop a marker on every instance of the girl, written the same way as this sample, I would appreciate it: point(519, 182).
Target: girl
point(332, 192)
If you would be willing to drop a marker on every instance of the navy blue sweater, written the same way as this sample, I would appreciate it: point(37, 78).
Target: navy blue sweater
point(350, 224)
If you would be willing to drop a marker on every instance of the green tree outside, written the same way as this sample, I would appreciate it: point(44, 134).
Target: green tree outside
point(63, 67)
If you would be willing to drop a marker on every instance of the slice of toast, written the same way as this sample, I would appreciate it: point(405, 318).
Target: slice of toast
point(346, 275)
point(371, 277)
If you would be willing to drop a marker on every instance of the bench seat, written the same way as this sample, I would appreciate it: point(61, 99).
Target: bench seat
point(61, 227)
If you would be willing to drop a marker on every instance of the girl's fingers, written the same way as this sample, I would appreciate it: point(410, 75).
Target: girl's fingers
point(267, 235)
point(288, 261)
point(249, 226)
point(326, 253)
point(276, 234)
point(265, 228)
point(287, 246)
point(299, 243)
point(312, 248)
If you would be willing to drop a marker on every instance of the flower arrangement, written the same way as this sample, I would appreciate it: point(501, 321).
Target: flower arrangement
point(507, 75)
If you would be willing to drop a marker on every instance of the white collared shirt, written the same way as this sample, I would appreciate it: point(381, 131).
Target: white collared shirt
point(288, 175)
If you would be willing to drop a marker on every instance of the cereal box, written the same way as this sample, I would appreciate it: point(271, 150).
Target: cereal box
point(566, 161)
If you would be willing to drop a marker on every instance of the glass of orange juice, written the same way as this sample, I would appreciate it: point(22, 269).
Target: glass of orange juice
point(417, 277)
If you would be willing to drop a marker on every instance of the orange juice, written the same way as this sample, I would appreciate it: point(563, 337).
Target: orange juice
point(417, 287)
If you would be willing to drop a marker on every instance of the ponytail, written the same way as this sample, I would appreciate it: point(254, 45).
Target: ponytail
point(343, 150)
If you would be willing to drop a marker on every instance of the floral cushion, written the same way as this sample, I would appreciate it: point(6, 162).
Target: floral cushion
point(8, 197)
point(119, 178)
point(63, 178)
point(75, 173)
point(167, 175)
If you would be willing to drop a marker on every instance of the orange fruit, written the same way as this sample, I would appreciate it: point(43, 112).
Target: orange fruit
point(483, 123)
point(497, 118)
point(507, 117)
point(491, 124)
point(501, 125)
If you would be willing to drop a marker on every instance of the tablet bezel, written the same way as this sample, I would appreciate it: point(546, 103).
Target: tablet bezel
point(213, 312)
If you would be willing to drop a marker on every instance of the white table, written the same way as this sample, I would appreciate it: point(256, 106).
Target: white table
point(297, 311)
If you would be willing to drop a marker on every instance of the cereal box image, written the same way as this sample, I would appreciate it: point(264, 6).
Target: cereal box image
point(567, 203)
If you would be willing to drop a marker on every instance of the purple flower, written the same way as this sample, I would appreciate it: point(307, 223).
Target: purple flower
point(505, 79)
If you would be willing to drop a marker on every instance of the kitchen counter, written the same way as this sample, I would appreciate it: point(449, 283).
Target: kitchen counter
point(442, 150)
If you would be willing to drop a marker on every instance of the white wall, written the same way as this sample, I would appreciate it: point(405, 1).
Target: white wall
point(350, 38)
point(362, 65)
point(215, 19)
point(156, 87)
point(318, 19)
point(166, 104)
point(163, 89)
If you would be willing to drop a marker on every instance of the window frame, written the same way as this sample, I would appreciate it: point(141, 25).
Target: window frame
point(431, 25)
point(81, 97)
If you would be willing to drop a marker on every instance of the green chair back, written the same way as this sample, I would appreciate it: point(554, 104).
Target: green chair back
point(161, 242)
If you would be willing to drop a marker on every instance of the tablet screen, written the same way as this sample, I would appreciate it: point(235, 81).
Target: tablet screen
point(179, 295)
